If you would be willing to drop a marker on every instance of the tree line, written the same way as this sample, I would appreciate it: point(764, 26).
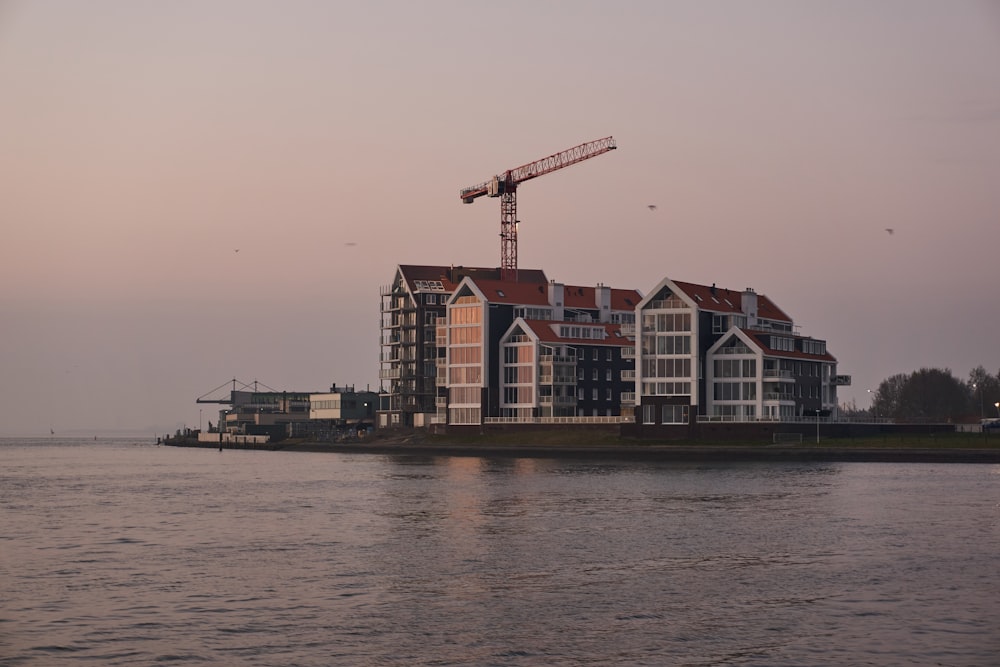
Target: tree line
point(933, 395)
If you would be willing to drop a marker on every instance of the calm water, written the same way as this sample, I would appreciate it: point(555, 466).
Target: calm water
point(115, 553)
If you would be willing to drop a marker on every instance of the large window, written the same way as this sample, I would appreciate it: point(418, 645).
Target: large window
point(465, 375)
point(735, 391)
point(649, 414)
point(673, 344)
point(513, 395)
point(735, 368)
point(666, 368)
point(518, 354)
point(464, 416)
point(666, 388)
point(675, 414)
point(465, 355)
point(518, 374)
point(673, 322)
point(466, 335)
point(465, 314)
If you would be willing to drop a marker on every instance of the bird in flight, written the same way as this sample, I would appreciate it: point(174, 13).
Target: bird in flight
point(890, 230)
point(236, 250)
point(652, 207)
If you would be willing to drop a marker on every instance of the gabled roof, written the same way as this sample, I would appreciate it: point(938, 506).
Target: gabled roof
point(575, 296)
point(451, 276)
point(515, 293)
point(547, 331)
point(758, 338)
point(723, 300)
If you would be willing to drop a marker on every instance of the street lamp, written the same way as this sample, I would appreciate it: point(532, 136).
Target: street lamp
point(982, 410)
point(997, 406)
point(871, 403)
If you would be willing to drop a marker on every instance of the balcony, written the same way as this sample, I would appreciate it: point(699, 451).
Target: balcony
point(628, 375)
point(627, 398)
point(628, 353)
point(557, 400)
point(389, 374)
point(556, 359)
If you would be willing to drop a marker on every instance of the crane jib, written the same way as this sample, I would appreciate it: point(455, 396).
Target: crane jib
point(505, 185)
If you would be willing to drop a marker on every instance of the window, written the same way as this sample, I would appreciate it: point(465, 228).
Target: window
point(593, 394)
point(649, 414)
point(607, 394)
point(593, 374)
point(607, 354)
point(673, 345)
point(607, 374)
point(675, 414)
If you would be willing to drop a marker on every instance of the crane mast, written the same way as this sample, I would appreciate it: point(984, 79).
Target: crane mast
point(505, 185)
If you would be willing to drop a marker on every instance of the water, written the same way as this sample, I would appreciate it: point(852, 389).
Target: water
point(116, 553)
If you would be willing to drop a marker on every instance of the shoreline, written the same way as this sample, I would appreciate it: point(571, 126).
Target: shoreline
point(671, 453)
point(713, 453)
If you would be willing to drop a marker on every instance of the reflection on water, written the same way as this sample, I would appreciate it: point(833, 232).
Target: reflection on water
point(119, 554)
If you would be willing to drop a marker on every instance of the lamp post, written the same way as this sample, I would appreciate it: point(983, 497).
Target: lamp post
point(997, 406)
point(982, 409)
point(871, 404)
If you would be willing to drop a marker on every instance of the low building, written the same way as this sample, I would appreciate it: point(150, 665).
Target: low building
point(280, 414)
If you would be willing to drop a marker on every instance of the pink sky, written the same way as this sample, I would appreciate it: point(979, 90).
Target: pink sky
point(142, 143)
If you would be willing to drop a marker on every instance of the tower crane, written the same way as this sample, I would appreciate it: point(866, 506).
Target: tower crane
point(505, 186)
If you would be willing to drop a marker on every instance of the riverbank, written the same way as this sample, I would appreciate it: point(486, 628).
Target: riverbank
point(951, 448)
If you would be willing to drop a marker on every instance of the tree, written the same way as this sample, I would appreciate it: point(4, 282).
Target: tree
point(984, 392)
point(885, 402)
point(932, 395)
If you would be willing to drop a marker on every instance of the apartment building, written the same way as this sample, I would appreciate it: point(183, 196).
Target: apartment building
point(729, 355)
point(460, 345)
point(408, 364)
point(526, 350)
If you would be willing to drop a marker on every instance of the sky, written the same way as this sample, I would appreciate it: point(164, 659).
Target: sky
point(143, 143)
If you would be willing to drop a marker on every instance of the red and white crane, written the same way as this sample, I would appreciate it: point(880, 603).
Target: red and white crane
point(505, 186)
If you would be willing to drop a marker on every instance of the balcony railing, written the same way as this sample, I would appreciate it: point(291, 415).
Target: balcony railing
point(557, 359)
point(557, 400)
point(627, 397)
point(556, 379)
point(624, 419)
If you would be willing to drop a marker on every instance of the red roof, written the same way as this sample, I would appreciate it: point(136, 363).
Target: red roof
point(575, 296)
point(547, 332)
point(451, 276)
point(758, 338)
point(517, 293)
point(723, 300)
